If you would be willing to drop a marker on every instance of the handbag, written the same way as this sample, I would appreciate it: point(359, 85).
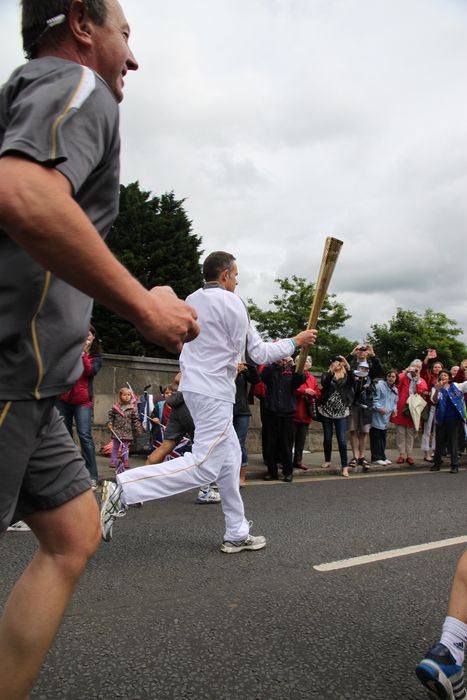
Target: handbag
point(311, 405)
point(413, 409)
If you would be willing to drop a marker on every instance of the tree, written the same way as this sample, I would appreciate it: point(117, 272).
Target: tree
point(290, 316)
point(409, 335)
point(152, 237)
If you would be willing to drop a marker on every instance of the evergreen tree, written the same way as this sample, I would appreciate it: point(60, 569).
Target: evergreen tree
point(290, 315)
point(152, 237)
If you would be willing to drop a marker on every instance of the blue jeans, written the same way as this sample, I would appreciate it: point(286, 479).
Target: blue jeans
point(340, 425)
point(83, 420)
point(241, 425)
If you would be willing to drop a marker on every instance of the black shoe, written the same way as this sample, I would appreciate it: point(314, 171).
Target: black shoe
point(270, 477)
point(454, 470)
point(288, 478)
point(361, 461)
point(435, 468)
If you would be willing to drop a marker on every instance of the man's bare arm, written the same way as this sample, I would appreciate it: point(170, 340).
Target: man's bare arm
point(38, 212)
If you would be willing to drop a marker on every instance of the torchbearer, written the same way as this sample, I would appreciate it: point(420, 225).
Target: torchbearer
point(209, 367)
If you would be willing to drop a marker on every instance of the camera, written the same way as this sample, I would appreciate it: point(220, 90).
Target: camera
point(362, 348)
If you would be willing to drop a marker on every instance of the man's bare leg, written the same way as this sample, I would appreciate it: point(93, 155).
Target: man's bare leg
point(362, 438)
point(68, 537)
point(458, 601)
point(442, 669)
point(161, 452)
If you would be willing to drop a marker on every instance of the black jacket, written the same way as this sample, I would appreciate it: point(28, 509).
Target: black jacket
point(242, 404)
point(345, 388)
point(365, 392)
point(281, 384)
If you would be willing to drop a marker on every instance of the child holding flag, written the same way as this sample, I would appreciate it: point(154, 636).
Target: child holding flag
point(124, 425)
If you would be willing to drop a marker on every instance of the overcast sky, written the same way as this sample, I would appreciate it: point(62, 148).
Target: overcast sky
point(284, 121)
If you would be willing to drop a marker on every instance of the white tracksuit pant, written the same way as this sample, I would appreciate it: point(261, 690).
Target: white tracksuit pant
point(215, 456)
point(429, 432)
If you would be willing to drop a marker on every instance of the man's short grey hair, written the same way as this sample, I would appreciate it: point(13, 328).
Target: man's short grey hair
point(216, 263)
point(36, 14)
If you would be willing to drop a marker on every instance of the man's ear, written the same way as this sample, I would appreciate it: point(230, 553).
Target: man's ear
point(79, 23)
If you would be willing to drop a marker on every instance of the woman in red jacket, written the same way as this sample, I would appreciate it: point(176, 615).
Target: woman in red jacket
point(77, 403)
point(305, 393)
point(410, 382)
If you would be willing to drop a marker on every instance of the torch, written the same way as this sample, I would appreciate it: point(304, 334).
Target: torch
point(332, 248)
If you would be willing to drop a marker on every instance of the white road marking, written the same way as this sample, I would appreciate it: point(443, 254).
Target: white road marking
point(389, 554)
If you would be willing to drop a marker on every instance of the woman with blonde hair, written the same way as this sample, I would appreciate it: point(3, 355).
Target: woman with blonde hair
point(336, 398)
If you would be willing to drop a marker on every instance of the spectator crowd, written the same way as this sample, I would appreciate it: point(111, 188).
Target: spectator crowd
point(356, 398)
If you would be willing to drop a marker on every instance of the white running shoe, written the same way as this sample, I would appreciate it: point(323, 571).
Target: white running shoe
point(208, 496)
point(387, 461)
point(381, 462)
point(19, 526)
point(111, 508)
point(250, 542)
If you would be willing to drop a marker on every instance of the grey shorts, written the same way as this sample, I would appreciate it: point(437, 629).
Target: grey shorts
point(355, 422)
point(40, 466)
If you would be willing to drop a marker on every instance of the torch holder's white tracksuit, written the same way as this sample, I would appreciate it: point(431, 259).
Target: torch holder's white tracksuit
point(209, 367)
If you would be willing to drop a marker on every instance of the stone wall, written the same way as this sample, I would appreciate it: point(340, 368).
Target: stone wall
point(117, 370)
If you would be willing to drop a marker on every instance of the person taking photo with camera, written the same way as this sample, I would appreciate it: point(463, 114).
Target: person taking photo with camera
point(410, 382)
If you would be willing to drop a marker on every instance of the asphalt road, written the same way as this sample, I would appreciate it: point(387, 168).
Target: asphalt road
point(161, 613)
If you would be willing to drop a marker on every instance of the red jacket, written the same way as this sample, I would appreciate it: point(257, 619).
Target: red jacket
point(259, 389)
point(403, 389)
point(430, 380)
point(301, 414)
point(80, 393)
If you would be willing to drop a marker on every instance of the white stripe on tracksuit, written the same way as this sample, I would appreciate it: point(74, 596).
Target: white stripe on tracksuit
point(215, 456)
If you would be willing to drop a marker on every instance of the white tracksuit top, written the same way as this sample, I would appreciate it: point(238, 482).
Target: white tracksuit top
point(209, 363)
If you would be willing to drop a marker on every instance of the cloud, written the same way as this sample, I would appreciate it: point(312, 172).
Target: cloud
point(283, 121)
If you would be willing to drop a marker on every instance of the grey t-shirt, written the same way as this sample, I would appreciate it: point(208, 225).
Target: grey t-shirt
point(62, 115)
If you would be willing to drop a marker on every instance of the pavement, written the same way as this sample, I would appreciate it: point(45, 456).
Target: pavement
point(313, 462)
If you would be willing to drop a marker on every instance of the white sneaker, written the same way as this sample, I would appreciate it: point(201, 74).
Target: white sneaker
point(387, 461)
point(381, 462)
point(250, 542)
point(112, 507)
point(19, 526)
point(208, 496)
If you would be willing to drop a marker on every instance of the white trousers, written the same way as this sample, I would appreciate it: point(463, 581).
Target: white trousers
point(429, 432)
point(215, 456)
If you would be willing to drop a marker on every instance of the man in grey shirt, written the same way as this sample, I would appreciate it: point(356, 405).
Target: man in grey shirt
point(59, 186)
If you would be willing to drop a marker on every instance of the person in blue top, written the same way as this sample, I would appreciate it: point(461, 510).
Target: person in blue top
point(384, 406)
point(450, 417)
